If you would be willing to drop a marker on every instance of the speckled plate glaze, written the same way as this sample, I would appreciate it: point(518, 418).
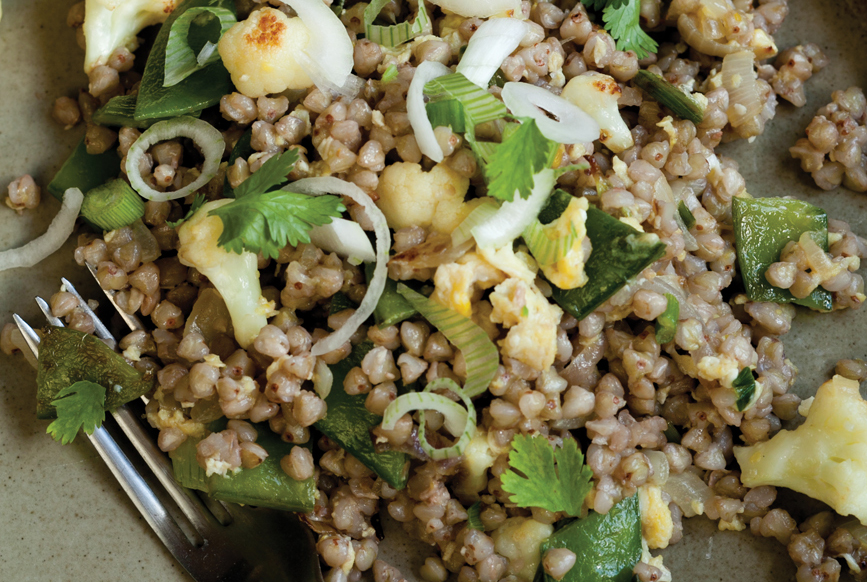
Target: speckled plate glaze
point(65, 518)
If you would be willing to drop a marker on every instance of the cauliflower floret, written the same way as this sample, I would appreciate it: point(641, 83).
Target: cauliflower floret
point(457, 285)
point(260, 53)
point(409, 196)
point(597, 94)
point(478, 457)
point(824, 458)
point(235, 276)
point(518, 539)
point(532, 322)
point(568, 272)
point(111, 24)
point(657, 526)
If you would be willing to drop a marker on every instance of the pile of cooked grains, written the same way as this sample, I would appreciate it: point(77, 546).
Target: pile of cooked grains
point(611, 384)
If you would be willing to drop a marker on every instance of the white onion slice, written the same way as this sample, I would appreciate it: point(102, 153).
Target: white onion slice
point(415, 109)
point(494, 40)
point(322, 379)
point(480, 8)
point(573, 125)
point(512, 218)
point(327, 60)
point(346, 238)
point(58, 231)
point(206, 137)
point(329, 185)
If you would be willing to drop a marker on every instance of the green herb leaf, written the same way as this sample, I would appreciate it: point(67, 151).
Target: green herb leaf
point(182, 60)
point(514, 162)
point(272, 174)
point(80, 406)
point(666, 324)
point(198, 200)
point(623, 24)
point(745, 387)
point(474, 520)
point(685, 214)
point(671, 433)
point(682, 103)
point(390, 74)
point(556, 488)
point(606, 547)
point(266, 222)
point(600, 4)
point(396, 34)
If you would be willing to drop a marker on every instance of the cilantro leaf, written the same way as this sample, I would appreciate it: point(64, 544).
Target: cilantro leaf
point(745, 387)
point(623, 24)
point(666, 324)
point(268, 221)
point(474, 520)
point(198, 200)
point(514, 162)
point(81, 405)
point(561, 488)
point(270, 175)
point(600, 4)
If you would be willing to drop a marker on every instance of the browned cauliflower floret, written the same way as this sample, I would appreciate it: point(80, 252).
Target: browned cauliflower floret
point(260, 53)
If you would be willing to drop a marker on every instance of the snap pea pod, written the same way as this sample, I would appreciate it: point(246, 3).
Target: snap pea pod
point(607, 547)
point(84, 171)
point(392, 307)
point(198, 91)
point(348, 423)
point(619, 253)
point(264, 486)
point(763, 227)
point(67, 356)
point(680, 103)
point(120, 112)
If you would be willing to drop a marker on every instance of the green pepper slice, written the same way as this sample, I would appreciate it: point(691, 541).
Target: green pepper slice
point(84, 171)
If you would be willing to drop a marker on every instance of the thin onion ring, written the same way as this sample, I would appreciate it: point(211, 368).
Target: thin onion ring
point(489, 46)
point(573, 124)
point(415, 108)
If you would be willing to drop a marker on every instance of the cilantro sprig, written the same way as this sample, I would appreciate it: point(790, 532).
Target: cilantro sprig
point(80, 406)
point(534, 480)
point(198, 200)
point(264, 220)
point(621, 18)
point(513, 164)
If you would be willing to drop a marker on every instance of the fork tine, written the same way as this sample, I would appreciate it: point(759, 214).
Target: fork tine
point(30, 335)
point(132, 321)
point(46, 311)
point(99, 328)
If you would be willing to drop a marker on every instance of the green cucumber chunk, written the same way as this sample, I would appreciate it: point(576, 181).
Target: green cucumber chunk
point(763, 227)
point(67, 356)
point(606, 547)
point(264, 486)
point(198, 91)
point(85, 171)
point(619, 253)
point(348, 423)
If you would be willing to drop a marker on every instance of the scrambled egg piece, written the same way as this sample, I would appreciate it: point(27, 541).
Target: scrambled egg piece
point(459, 284)
point(532, 322)
point(824, 458)
point(656, 562)
point(165, 418)
point(657, 526)
point(409, 196)
point(260, 53)
point(568, 272)
point(518, 539)
point(723, 368)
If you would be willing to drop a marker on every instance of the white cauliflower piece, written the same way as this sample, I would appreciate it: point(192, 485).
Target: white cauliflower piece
point(458, 285)
point(111, 24)
point(478, 457)
point(657, 525)
point(518, 539)
point(409, 196)
point(824, 458)
point(597, 95)
point(568, 272)
point(236, 276)
point(260, 53)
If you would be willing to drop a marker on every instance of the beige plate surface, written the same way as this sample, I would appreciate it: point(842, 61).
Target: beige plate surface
point(64, 517)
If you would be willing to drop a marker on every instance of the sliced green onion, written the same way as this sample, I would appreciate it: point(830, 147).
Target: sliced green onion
point(392, 36)
point(747, 389)
point(181, 60)
point(474, 517)
point(548, 243)
point(666, 324)
point(685, 215)
point(417, 112)
point(206, 137)
point(113, 205)
point(479, 105)
point(480, 353)
point(346, 238)
point(480, 214)
point(681, 103)
point(457, 420)
point(448, 113)
point(390, 74)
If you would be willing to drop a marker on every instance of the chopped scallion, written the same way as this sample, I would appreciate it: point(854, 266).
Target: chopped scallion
point(681, 104)
point(113, 205)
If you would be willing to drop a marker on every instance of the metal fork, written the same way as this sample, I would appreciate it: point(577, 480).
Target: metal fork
point(212, 540)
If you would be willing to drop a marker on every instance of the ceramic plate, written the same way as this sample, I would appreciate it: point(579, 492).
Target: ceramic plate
point(63, 515)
